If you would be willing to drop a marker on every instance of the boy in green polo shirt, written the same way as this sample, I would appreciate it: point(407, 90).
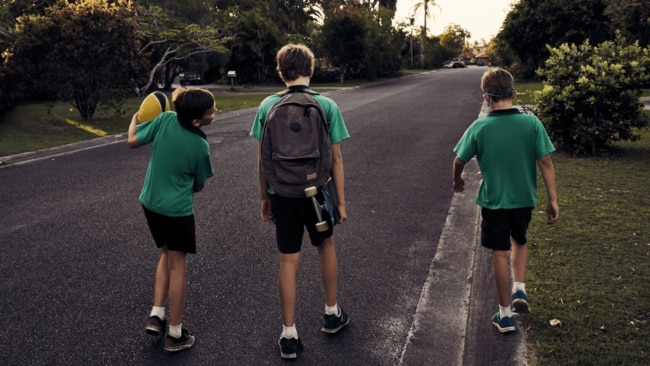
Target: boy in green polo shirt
point(292, 215)
point(179, 166)
point(508, 145)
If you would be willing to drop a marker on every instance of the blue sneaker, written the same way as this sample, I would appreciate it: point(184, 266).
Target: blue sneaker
point(335, 323)
point(505, 324)
point(520, 302)
point(289, 347)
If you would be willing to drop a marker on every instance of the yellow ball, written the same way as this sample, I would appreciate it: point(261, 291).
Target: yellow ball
point(153, 105)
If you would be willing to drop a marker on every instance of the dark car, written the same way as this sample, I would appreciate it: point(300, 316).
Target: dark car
point(191, 78)
point(455, 63)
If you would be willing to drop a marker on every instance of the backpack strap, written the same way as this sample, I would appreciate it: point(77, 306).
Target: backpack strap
point(297, 89)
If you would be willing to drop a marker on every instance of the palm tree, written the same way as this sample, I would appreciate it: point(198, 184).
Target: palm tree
point(426, 5)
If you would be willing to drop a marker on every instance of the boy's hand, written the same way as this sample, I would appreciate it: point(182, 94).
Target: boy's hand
point(459, 185)
point(266, 212)
point(343, 213)
point(552, 212)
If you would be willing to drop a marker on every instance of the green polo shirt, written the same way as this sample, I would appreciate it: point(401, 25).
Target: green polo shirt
point(507, 145)
point(179, 160)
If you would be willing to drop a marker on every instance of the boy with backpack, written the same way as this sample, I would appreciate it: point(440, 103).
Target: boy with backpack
point(508, 145)
point(178, 167)
point(288, 162)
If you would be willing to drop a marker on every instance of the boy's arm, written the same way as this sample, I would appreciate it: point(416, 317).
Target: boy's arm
point(132, 138)
point(459, 183)
point(338, 176)
point(548, 174)
point(266, 213)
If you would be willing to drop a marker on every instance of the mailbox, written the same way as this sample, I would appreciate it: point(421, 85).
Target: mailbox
point(232, 74)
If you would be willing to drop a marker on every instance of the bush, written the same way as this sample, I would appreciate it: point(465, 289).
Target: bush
point(591, 94)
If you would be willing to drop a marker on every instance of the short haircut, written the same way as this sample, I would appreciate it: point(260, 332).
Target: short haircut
point(498, 84)
point(294, 61)
point(191, 104)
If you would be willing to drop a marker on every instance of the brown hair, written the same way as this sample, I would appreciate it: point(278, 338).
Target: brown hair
point(294, 61)
point(498, 84)
point(191, 104)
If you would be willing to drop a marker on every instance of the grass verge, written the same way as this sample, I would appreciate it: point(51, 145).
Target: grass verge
point(39, 126)
point(591, 269)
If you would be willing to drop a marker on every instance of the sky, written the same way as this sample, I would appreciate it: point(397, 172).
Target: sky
point(482, 18)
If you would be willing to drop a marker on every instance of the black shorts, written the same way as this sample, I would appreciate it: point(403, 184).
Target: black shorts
point(176, 233)
point(291, 216)
point(499, 225)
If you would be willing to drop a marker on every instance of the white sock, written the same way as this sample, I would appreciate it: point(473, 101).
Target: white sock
point(516, 286)
point(332, 310)
point(289, 332)
point(158, 311)
point(505, 312)
point(175, 331)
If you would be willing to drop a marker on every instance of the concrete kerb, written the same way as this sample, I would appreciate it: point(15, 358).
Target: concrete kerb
point(438, 332)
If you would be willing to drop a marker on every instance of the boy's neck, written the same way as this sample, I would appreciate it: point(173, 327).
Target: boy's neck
point(303, 80)
point(502, 104)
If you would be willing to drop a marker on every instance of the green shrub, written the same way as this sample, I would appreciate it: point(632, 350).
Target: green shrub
point(591, 94)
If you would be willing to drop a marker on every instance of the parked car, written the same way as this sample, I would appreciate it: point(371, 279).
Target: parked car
point(191, 78)
point(480, 63)
point(455, 63)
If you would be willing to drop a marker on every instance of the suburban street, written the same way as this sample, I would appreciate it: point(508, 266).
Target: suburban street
point(78, 259)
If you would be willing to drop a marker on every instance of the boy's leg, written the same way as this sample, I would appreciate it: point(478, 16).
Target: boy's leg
point(335, 318)
point(161, 287)
point(501, 264)
point(156, 323)
point(177, 265)
point(329, 270)
point(519, 264)
point(502, 320)
point(287, 286)
point(519, 260)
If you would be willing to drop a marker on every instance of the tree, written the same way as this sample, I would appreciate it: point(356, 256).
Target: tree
point(426, 6)
point(532, 24)
point(343, 38)
point(632, 18)
point(168, 40)
point(454, 38)
point(591, 94)
point(83, 53)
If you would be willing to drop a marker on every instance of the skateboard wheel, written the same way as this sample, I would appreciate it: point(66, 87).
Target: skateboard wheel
point(322, 226)
point(311, 191)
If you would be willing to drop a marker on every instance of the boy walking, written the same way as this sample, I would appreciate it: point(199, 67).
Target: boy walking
point(508, 145)
point(178, 167)
point(295, 65)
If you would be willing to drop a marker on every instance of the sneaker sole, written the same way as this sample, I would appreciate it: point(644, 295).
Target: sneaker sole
point(181, 347)
point(287, 356)
point(520, 306)
point(153, 331)
point(504, 330)
point(335, 330)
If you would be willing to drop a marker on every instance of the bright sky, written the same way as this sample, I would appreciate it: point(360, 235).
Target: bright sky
point(482, 18)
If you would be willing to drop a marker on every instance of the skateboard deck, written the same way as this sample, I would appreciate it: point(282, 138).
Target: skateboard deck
point(329, 204)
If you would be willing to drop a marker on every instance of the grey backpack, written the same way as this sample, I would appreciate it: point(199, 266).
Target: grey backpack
point(296, 148)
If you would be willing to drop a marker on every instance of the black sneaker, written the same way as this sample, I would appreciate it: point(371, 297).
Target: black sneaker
point(178, 344)
point(289, 347)
point(335, 323)
point(155, 326)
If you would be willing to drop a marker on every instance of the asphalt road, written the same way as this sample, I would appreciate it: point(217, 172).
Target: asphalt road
point(78, 262)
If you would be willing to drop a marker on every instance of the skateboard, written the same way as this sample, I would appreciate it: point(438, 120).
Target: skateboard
point(329, 204)
point(321, 225)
